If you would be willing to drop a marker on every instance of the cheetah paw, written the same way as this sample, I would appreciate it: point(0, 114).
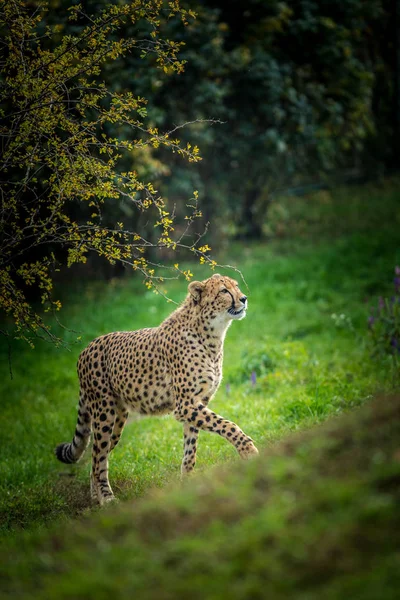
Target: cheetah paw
point(108, 500)
point(249, 451)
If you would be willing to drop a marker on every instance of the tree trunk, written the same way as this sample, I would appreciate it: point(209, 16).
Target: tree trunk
point(251, 223)
point(396, 82)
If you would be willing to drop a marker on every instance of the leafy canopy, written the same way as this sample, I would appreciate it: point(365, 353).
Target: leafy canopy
point(64, 135)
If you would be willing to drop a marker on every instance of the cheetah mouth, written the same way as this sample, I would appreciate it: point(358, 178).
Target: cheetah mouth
point(237, 314)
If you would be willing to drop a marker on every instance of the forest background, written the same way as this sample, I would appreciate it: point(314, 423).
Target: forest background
point(277, 98)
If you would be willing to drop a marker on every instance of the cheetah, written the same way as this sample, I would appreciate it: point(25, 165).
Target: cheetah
point(175, 367)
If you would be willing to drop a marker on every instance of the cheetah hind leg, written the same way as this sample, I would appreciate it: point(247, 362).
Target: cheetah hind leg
point(121, 417)
point(120, 421)
point(94, 497)
point(103, 425)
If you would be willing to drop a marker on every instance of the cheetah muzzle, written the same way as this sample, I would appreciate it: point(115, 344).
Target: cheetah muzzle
point(175, 367)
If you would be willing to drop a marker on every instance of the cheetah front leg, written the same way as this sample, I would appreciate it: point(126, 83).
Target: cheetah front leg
point(190, 436)
point(198, 416)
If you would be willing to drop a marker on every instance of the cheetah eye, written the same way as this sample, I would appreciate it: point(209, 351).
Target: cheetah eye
point(224, 291)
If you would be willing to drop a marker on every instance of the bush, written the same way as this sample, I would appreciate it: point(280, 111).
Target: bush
point(255, 363)
point(384, 323)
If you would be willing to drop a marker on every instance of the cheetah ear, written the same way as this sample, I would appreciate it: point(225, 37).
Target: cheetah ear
point(195, 290)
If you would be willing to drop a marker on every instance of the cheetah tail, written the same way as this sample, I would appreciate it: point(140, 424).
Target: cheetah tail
point(71, 452)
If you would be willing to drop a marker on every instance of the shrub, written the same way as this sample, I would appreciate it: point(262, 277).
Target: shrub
point(255, 363)
point(384, 323)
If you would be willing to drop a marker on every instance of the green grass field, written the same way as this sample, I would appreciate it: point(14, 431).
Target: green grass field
point(314, 517)
point(305, 338)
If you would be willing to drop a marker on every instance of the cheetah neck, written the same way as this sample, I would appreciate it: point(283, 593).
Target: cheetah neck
point(211, 334)
point(208, 328)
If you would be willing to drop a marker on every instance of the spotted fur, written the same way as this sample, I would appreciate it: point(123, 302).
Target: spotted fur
point(176, 367)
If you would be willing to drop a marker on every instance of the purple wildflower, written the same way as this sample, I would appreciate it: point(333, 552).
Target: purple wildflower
point(371, 321)
point(397, 270)
point(253, 378)
point(381, 303)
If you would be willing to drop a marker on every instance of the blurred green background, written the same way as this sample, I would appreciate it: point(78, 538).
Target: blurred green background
point(304, 94)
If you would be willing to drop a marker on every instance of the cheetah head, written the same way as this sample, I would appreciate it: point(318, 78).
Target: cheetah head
point(219, 297)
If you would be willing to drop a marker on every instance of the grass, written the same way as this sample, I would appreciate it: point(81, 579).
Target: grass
point(314, 517)
point(308, 364)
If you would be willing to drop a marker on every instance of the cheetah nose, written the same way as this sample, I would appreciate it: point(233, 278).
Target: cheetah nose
point(243, 299)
